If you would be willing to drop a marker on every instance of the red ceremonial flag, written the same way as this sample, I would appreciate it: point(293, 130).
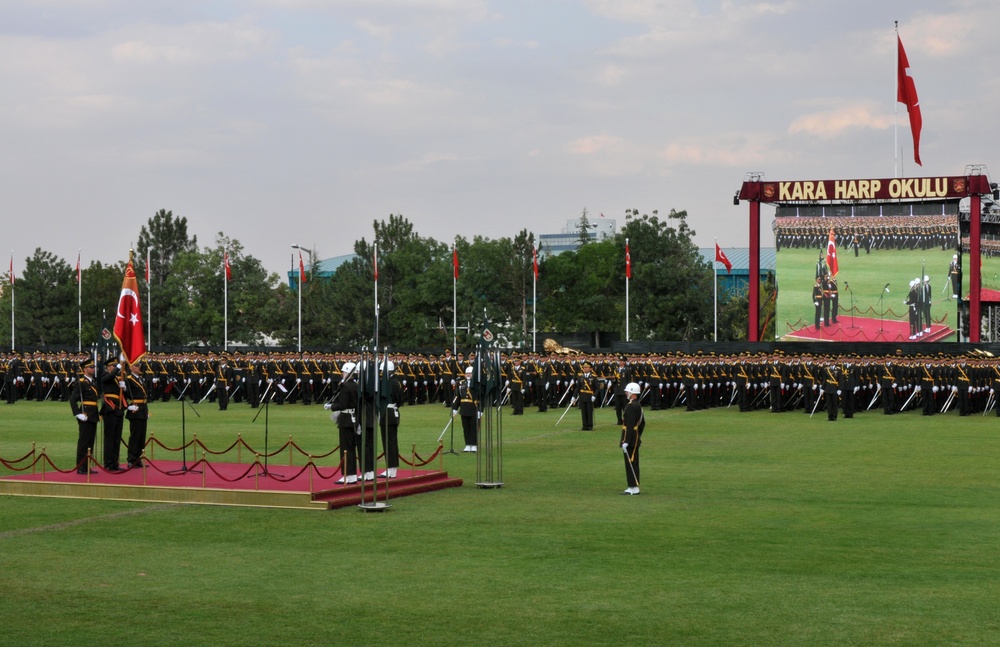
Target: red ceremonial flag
point(628, 262)
point(720, 256)
point(906, 92)
point(229, 272)
point(128, 320)
point(454, 261)
point(302, 270)
point(78, 268)
point(534, 260)
point(831, 255)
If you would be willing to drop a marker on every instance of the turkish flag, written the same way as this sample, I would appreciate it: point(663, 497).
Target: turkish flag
point(302, 270)
point(229, 272)
point(906, 92)
point(128, 320)
point(454, 261)
point(831, 255)
point(720, 256)
point(534, 260)
point(628, 262)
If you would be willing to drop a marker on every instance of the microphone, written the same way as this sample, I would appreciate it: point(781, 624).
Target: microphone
point(847, 284)
point(887, 288)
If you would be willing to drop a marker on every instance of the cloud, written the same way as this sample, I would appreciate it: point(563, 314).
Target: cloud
point(592, 144)
point(827, 124)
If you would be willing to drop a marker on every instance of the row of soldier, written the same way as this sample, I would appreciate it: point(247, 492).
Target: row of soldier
point(891, 232)
point(751, 381)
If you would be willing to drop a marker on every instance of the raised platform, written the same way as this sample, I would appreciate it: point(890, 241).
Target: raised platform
point(281, 486)
point(865, 329)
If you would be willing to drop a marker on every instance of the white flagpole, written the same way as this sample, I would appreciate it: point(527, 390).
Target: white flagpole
point(629, 261)
point(300, 301)
point(225, 299)
point(715, 270)
point(13, 346)
point(895, 102)
point(79, 302)
point(454, 305)
point(534, 298)
point(149, 304)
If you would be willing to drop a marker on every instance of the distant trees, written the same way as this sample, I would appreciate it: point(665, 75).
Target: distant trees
point(582, 291)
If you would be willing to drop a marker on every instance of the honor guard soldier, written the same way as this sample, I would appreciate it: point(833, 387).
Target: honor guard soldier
point(586, 389)
point(137, 414)
point(83, 402)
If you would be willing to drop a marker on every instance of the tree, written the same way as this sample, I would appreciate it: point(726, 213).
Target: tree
point(584, 290)
point(583, 230)
point(165, 238)
point(45, 307)
point(670, 279)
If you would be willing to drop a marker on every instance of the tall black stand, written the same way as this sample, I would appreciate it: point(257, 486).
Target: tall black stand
point(881, 312)
point(851, 292)
point(268, 394)
point(184, 468)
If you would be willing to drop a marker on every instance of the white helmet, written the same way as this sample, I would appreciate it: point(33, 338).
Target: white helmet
point(348, 368)
point(926, 278)
point(468, 370)
point(389, 366)
point(632, 388)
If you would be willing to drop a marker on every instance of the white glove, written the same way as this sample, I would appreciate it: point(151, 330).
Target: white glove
point(782, 385)
point(624, 447)
point(593, 398)
point(298, 379)
point(357, 430)
point(404, 382)
point(118, 366)
point(452, 382)
point(328, 406)
point(310, 381)
point(82, 417)
point(133, 407)
point(816, 303)
point(479, 414)
point(917, 389)
point(894, 385)
point(935, 389)
point(838, 391)
point(454, 412)
point(856, 389)
point(121, 385)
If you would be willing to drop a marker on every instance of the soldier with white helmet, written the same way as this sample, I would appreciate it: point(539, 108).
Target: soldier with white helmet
point(633, 424)
point(343, 412)
point(465, 403)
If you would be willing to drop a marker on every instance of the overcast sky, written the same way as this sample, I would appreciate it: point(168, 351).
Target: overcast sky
point(282, 122)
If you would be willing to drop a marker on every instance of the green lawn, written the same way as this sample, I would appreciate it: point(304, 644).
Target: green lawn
point(865, 276)
point(752, 529)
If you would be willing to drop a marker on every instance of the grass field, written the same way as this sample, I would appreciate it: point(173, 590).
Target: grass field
point(752, 529)
point(867, 275)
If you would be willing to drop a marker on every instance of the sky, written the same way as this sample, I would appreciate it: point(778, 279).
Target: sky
point(301, 122)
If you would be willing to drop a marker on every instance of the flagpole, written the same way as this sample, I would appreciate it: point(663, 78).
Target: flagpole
point(149, 304)
point(715, 300)
point(895, 102)
point(225, 299)
point(534, 297)
point(454, 301)
point(628, 261)
point(12, 345)
point(79, 303)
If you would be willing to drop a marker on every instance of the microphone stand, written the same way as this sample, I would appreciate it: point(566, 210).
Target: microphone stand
point(184, 468)
point(848, 286)
point(881, 313)
point(267, 402)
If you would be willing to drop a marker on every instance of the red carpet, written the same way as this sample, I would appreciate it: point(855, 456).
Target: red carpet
point(225, 484)
point(860, 329)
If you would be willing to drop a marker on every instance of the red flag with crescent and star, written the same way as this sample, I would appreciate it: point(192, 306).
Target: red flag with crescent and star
point(831, 254)
point(720, 256)
point(128, 320)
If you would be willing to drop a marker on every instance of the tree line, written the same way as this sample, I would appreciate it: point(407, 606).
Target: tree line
point(578, 292)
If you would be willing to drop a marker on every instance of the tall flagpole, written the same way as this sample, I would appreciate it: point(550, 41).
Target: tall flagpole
point(454, 300)
point(895, 102)
point(12, 344)
point(534, 297)
point(149, 305)
point(715, 300)
point(79, 302)
point(628, 276)
point(225, 299)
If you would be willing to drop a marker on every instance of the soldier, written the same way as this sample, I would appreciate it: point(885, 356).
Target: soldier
point(13, 377)
point(927, 294)
point(912, 300)
point(818, 302)
point(631, 439)
point(223, 378)
point(389, 423)
point(517, 387)
point(343, 411)
point(955, 275)
point(466, 404)
point(137, 414)
point(586, 386)
point(83, 402)
point(112, 412)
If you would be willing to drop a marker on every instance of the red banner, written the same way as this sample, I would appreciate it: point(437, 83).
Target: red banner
point(128, 320)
